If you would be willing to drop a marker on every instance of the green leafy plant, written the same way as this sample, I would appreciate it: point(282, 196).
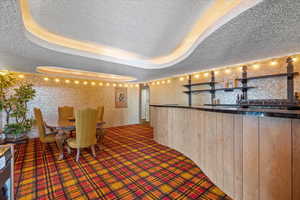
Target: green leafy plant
point(14, 98)
point(14, 128)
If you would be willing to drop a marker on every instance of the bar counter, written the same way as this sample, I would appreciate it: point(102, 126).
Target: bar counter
point(251, 154)
point(259, 112)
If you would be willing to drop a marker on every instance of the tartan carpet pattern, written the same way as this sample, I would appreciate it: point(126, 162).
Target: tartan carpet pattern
point(131, 165)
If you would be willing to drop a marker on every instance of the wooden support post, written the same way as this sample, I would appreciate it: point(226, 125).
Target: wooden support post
point(245, 82)
point(212, 85)
point(290, 80)
point(190, 89)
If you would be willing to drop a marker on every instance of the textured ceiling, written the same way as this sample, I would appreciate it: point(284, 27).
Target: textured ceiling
point(269, 29)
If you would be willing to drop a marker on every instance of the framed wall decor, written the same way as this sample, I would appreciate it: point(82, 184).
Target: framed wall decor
point(121, 97)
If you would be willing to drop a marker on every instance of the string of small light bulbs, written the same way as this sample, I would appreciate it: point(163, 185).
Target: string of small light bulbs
point(83, 82)
point(226, 70)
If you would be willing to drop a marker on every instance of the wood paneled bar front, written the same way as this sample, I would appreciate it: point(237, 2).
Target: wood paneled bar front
point(251, 154)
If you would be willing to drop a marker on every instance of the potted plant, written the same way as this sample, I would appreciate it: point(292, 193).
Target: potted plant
point(14, 98)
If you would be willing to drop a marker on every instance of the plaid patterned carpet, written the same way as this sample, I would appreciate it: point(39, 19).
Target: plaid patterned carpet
point(130, 166)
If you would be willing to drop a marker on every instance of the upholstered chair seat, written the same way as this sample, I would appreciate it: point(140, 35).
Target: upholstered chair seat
point(100, 132)
point(41, 125)
point(85, 123)
point(65, 112)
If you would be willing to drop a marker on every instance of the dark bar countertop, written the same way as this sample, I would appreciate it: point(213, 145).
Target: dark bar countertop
point(260, 112)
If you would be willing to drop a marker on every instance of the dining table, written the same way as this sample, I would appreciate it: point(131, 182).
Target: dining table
point(64, 129)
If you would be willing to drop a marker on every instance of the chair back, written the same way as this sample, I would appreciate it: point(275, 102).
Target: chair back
point(40, 123)
point(65, 112)
point(100, 110)
point(86, 121)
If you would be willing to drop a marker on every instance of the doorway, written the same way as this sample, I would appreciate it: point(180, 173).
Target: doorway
point(144, 105)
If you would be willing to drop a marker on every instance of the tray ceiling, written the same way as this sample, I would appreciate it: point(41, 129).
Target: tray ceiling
point(145, 34)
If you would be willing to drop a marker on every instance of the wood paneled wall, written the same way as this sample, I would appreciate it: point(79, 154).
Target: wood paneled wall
point(248, 157)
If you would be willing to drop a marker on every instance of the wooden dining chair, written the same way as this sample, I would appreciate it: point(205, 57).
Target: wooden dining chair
point(65, 112)
point(100, 131)
point(85, 123)
point(43, 136)
point(100, 110)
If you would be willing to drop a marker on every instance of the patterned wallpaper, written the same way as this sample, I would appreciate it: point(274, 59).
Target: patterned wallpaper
point(50, 95)
point(270, 88)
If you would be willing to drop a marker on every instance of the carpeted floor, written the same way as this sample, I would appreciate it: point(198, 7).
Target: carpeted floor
point(130, 166)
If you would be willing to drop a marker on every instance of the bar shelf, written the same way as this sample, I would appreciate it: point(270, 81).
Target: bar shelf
point(218, 89)
point(267, 76)
point(197, 84)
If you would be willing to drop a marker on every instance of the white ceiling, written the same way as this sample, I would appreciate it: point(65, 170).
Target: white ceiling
point(269, 29)
point(145, 27)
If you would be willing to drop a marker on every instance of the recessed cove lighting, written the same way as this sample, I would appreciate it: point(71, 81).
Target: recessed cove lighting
point(215, 15)
point(75, 73)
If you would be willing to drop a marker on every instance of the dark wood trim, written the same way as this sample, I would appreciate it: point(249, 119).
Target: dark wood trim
point(197, 84)
point(290, 79)
point(219, 89)
point(190, 89)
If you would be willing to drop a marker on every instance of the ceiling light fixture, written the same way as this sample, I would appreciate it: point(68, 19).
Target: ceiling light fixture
point(256, 66)
point(274, 63)
point(227, 71)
